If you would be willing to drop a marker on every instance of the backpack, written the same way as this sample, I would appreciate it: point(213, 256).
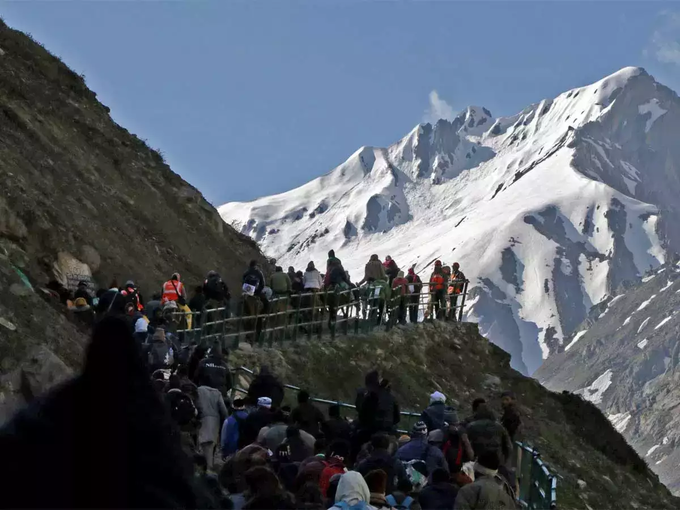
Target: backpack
point(160, 355)
point(183, 409)
point(184, 354)
point(327, 474)
point(252, 279)
point(361, 505)
point(416, 469)
point(214, 288)
point(406, 503)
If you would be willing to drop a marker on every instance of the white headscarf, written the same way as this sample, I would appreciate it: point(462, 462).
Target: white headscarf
point(352, 489)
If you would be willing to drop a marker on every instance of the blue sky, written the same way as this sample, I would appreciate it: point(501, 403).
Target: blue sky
point(252, 98)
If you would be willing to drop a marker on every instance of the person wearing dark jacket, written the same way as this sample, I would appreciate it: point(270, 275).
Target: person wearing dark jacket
point(82, 421)
point(487, 434)
point(214, 372)
point(415, 285)
point(306, 415)
point(266, 384)
point(381, 458)
point(83, 292)
point(437, 414)
point(197, 302)
point(391, 268)
point(379, 410)
point(440, 493)
point(261, 417)
point(511, 419)
point(254, 277)
point(336, 427)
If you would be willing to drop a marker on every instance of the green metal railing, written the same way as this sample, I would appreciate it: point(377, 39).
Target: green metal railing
point(317, 314)
point(537, 485)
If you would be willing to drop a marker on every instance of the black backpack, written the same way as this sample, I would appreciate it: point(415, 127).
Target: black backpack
point(183, 409)
point(252, 279)
point(159, 355)
point(215, 288)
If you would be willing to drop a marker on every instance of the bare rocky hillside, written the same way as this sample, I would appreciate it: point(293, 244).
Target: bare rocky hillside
point(80, 195)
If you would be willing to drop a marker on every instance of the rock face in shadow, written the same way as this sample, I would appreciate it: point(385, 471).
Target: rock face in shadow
point(625, 357)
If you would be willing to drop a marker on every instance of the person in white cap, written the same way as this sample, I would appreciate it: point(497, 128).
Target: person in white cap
point(261, 417)
point(438, 413)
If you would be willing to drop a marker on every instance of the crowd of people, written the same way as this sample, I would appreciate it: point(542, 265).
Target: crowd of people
point(385, 290)
point(256, 452)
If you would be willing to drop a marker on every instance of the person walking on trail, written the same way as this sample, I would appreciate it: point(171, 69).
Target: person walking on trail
point(306, 415)
point(455, 289)
point(378, 410)
point(253, 285)
point(83, 292)
point(198, 300)
point(214, 372)
point(231, 429)
point(265, 384)
point(415, 285)
point(352, 493)
point(399, 296)
point(336, 275)
point(511, 419)
point(332, 260)
point(260, 417)
point(391, 268)
point(489, 491)
point(382, 458)
point(486, 434)
point(281, 283)
point(133, 296)
point(437, 306)
point(174, 290)
point(336, 427)
point(374, 270)
point(312, 279)
point(213, 412)
point(418, 449)
point(438, 414)
point(440, 493)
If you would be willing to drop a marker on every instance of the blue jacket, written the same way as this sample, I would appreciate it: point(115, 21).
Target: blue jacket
point(418, 449)
point(230, 433)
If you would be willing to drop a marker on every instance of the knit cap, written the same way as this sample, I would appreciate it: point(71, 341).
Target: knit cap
point(419, 429)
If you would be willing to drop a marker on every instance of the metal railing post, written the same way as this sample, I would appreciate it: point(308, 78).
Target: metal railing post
point(462, 303)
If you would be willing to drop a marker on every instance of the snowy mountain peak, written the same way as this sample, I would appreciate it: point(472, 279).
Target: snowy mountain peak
point(547, 211)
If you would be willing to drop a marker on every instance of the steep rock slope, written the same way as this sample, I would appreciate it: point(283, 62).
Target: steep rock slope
point(572, 435)
point(547, 211)
point(626, 359)
point(81, 195)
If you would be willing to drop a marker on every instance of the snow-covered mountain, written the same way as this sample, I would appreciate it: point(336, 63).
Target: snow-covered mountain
point(547, 211)
point(625, 358)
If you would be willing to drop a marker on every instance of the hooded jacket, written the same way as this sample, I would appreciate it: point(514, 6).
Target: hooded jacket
point(374, 270)
point(352, 490)
point(313, 280)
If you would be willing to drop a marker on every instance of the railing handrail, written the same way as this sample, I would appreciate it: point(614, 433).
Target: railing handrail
point(547, 494)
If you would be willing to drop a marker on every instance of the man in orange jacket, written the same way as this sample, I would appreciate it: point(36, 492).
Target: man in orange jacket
point(437, 291)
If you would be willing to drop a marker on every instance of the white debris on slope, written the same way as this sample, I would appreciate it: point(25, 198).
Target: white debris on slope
point(654, 109)
point(668, 286)
point(577, 336)
point(653, 449)
point(667, 319)
point(648, 278)
point(645, 303)
point(595, 391)
point(620, 421)
point(642, 344)
point(644, 323)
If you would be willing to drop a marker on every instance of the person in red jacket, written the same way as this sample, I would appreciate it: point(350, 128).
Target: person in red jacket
point(399, 296)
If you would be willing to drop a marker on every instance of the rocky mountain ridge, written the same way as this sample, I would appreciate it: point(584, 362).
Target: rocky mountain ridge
point(547, 211)
point(626, 359)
